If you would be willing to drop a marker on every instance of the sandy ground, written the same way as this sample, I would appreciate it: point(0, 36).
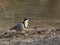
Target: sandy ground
point(35, 36)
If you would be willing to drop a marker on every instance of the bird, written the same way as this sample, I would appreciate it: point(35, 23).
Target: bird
point(21, 26)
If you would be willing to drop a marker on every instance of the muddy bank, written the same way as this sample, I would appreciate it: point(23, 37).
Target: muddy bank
point(36, 36)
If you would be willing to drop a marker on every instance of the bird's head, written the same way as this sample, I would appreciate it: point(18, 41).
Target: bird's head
point(26, 19)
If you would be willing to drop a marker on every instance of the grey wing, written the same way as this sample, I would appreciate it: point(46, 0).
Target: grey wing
point(18, 26)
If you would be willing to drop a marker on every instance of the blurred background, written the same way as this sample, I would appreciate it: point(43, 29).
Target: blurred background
point(39, 11)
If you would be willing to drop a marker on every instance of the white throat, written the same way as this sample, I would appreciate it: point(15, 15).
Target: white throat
point(26, 23)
